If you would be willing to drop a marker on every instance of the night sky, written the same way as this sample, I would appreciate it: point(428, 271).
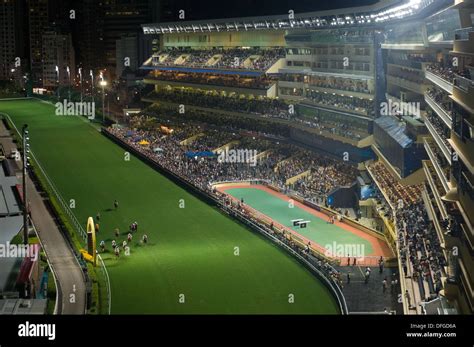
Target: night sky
point(213, 9)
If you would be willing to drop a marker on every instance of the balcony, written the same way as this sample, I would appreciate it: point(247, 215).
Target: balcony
point(412, 64)
point(267, 90)
point(439, 140)
point(463, 41)
point(415, 87)
point(435, 186)
point(440, 111)
point(432, 213)
point(439, 81)
point(292, 84)
point(463, 83)
point(430, 148)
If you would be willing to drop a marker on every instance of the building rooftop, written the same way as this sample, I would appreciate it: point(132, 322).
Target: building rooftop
point(381, 12)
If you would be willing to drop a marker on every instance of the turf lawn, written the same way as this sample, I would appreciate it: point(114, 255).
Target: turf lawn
point(190, 250)
point(318, 230)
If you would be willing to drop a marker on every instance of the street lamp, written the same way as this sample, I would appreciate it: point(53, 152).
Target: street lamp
point(103, 83)
point(92, 84)
point(69, 76)
point(80, 80)
point(57, 79)
point(26, 151)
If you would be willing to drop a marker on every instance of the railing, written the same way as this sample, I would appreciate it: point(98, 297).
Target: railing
point(105, 275)
point(214, 200)
point(319, 273)
point(463, 83)
point(72, 218)
point(463, 33)
point(405, 62)
point(59, 293)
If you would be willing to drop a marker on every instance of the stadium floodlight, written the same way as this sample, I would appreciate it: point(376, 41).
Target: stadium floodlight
point(103, 83)
point(80, 80)
point(92, 84)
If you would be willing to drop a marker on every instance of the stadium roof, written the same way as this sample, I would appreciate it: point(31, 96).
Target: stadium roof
point(395, 130)
point(385, 11)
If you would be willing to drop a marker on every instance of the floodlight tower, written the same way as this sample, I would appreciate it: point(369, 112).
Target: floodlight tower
point(103, 83)
point(57, 79)
point(69, 76)
point(80, 80)
point(92, 84)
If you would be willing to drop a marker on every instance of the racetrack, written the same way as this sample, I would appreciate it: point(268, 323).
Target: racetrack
point(190, 250)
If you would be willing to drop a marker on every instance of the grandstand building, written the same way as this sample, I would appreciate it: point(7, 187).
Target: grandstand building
point(331, 78)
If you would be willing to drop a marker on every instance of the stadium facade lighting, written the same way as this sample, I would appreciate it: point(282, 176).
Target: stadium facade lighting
point(388, 13)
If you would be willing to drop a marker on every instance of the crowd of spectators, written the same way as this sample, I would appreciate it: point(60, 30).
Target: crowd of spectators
point(440, 127)
point(407, 74)
point(417, 57)
point(257, 125)
point(420, 252)
point(440, 158)
point(211, 140)
point(447, 72)
point(250, 58)
point(234, 81)
point(281, 162)
point(398, 194)
point(211, 99)
point(441, 98)
point(254, 58)
point(347, 84)
point(330, 82)
point(332, 127)
point(365, 106)
point(263, 107)
point(325, 175)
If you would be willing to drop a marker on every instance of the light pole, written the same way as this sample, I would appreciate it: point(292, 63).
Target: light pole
point(92, 85)
point(69, 77)
point(26, 150)
point(57, 79)
point(80, 80)
point(103, 83)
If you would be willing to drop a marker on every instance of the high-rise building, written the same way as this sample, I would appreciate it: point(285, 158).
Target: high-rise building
point(57, 51)
point(89, 35)
point(13, 56)
point(38, 23)
point(123, 17)
point(7, 39)
point(127, 53)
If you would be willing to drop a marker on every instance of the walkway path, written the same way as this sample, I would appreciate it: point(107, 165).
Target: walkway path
point(71, 285)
